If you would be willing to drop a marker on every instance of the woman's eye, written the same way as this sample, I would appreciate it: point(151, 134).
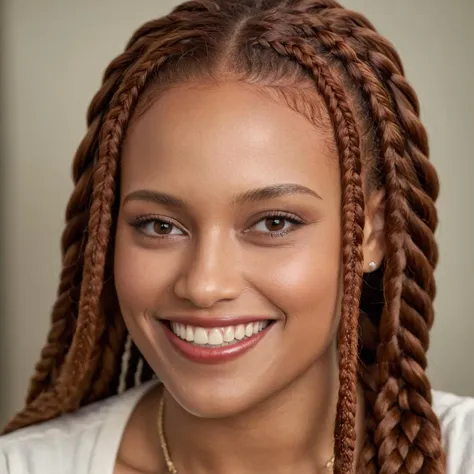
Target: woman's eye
point(277, 225)
point(153, 227)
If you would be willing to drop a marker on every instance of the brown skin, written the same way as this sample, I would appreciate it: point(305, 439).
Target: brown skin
point(271, 410)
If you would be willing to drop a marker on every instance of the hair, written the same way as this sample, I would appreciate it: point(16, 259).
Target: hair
point(300, 49)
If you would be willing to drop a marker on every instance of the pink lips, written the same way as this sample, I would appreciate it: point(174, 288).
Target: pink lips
point(213, 355)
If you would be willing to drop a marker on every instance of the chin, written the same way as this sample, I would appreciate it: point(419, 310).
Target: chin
point(207, 402)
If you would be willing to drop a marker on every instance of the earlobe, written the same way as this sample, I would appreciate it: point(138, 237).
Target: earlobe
point(374, 239)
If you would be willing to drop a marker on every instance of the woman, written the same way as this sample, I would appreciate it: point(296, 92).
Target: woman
point(253, 222)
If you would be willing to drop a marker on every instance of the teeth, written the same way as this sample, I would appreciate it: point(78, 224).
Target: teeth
point(240, 332)
point(217, 336)
point(229, 334)
point(200, 336)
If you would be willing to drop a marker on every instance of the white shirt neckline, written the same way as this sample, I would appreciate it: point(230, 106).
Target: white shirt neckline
point(88, 441)
point(104, 458)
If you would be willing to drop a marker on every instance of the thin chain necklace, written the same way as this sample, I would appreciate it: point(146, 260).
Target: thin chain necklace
point(164, 446)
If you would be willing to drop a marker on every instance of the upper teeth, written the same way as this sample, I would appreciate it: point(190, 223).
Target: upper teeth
point(217, 336)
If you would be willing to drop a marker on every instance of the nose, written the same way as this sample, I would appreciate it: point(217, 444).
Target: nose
point(211, 272)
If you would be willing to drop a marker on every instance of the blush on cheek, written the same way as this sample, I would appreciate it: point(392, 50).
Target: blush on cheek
point(308, 289)
point(305, 284)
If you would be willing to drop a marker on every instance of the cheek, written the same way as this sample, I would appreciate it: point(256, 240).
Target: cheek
point(304, 282)
point(140, 276)
point(302, 277)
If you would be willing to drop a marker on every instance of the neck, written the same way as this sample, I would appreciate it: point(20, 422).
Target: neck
point(293, 431)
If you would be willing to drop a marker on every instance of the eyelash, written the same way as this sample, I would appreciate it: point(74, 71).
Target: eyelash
point(140, 222)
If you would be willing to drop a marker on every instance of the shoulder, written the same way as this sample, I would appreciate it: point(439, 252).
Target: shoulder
point(456, 416)
point(51, 446)
point(71, 443)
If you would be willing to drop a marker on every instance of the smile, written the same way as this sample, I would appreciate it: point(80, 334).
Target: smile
point(216, 344)
point(217, 337)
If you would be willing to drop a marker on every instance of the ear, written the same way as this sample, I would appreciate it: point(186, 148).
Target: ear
point(374, 242)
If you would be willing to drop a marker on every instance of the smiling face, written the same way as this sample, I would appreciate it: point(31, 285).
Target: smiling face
point(197, 245)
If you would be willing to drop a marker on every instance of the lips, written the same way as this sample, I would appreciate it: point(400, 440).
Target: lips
point(215, 340)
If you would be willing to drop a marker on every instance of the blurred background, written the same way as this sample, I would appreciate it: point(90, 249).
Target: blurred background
point(53, 54)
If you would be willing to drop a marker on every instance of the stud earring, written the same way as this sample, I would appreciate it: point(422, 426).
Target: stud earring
point(372, 266)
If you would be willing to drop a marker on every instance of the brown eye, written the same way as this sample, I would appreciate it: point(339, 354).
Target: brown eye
point(158, 228)
point(162, 228)
point(275, 224)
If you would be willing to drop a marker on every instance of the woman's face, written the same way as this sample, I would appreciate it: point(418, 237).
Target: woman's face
point(199, 247)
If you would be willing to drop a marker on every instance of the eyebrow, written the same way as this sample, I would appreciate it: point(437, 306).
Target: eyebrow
point(252, 195)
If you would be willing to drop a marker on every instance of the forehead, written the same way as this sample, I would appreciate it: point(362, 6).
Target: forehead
point(219, 139)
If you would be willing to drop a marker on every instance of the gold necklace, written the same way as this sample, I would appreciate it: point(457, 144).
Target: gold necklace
point(164, 445)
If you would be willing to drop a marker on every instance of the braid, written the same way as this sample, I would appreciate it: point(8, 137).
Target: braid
point(409, 286)
point(82, 376)
point(62, 329)
point(125, 365)
point(65, 310)
point(90, 328)
point(104, 359)
point(347, 139)
point(406, 168)
point(42, 393)
point(134, 369)
point(409, 282)
point(110, 342)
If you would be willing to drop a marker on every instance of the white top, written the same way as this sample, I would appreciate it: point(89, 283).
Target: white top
point(87, 441)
